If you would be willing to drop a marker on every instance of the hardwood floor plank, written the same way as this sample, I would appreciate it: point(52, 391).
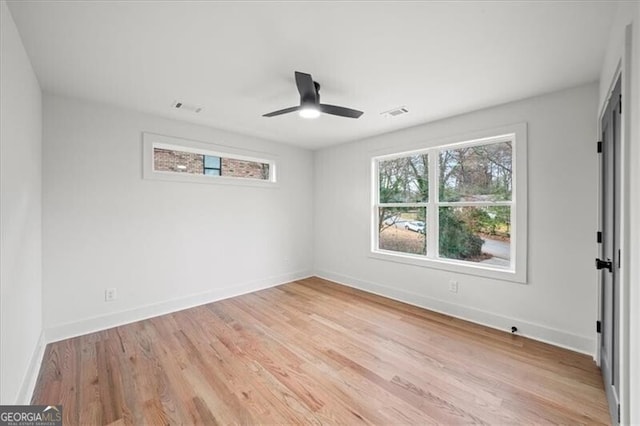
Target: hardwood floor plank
point(315, 352)
point(89, 408)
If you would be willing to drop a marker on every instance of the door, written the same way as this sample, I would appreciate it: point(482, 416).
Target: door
point(609, 261)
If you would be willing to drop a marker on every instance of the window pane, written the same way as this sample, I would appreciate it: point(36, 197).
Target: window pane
point(211, 162)
point(404, 180)
point(244, 169)
point(166, 160)
point(477, 173)
point(476, 234)
point(402, 229)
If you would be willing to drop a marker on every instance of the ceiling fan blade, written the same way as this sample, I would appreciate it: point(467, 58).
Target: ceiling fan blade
point(282, 111)
point(306, 88)
point(340, 111)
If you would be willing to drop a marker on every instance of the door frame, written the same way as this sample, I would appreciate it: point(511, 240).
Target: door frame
point(623, 68)
point(609, 238)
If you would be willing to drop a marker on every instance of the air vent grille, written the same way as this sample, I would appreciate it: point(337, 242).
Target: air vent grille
point(395, 112)
point(186, 107)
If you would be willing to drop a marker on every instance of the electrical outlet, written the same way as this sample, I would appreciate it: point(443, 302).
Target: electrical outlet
point(110, 295)
point(453, 286)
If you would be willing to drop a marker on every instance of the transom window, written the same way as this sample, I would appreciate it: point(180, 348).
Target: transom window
point(169, 158)
point(178, 160)
point(452, 207)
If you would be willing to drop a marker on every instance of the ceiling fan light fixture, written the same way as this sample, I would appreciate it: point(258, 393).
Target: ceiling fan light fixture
point(309, 112)
point(310, 106)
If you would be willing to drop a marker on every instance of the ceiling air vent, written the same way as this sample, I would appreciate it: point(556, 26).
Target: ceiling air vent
point(186, 107)
point(395, 112)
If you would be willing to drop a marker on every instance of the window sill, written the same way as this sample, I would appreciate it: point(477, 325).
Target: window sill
point(484, 271)
point(216, 180)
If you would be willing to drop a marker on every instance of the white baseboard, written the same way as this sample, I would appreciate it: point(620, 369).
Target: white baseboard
point(31, 376)
point(574, 342)
point(89, 325)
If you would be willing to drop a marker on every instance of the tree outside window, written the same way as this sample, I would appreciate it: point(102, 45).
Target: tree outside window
point(468, 215)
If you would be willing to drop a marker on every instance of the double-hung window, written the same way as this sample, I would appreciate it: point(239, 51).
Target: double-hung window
point(456, 206)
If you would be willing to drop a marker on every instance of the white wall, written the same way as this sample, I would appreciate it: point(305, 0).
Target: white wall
point(20, 216)
point(558, 303)
point(163, 245)
point(623, 53)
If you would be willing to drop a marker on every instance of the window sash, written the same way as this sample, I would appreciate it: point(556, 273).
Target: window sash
point(432, 206)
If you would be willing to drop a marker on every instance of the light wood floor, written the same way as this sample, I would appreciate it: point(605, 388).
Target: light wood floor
point(315, 352)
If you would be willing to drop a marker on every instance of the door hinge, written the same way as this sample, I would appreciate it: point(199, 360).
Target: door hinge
point(618, 413)
point(599, 147)
point(619, 259)
point(599, 236)
point(620, 104)
point(598, 327)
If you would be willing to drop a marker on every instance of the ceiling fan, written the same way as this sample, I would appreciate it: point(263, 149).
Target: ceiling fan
point(310, 106)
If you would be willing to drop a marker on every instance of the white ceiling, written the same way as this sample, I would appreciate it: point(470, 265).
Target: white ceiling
point(236, 59)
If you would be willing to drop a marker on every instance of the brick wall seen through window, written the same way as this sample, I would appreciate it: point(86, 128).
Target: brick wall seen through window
point(166, 160)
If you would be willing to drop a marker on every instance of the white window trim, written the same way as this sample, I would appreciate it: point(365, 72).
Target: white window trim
point(150, 141)
point(516, 133)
